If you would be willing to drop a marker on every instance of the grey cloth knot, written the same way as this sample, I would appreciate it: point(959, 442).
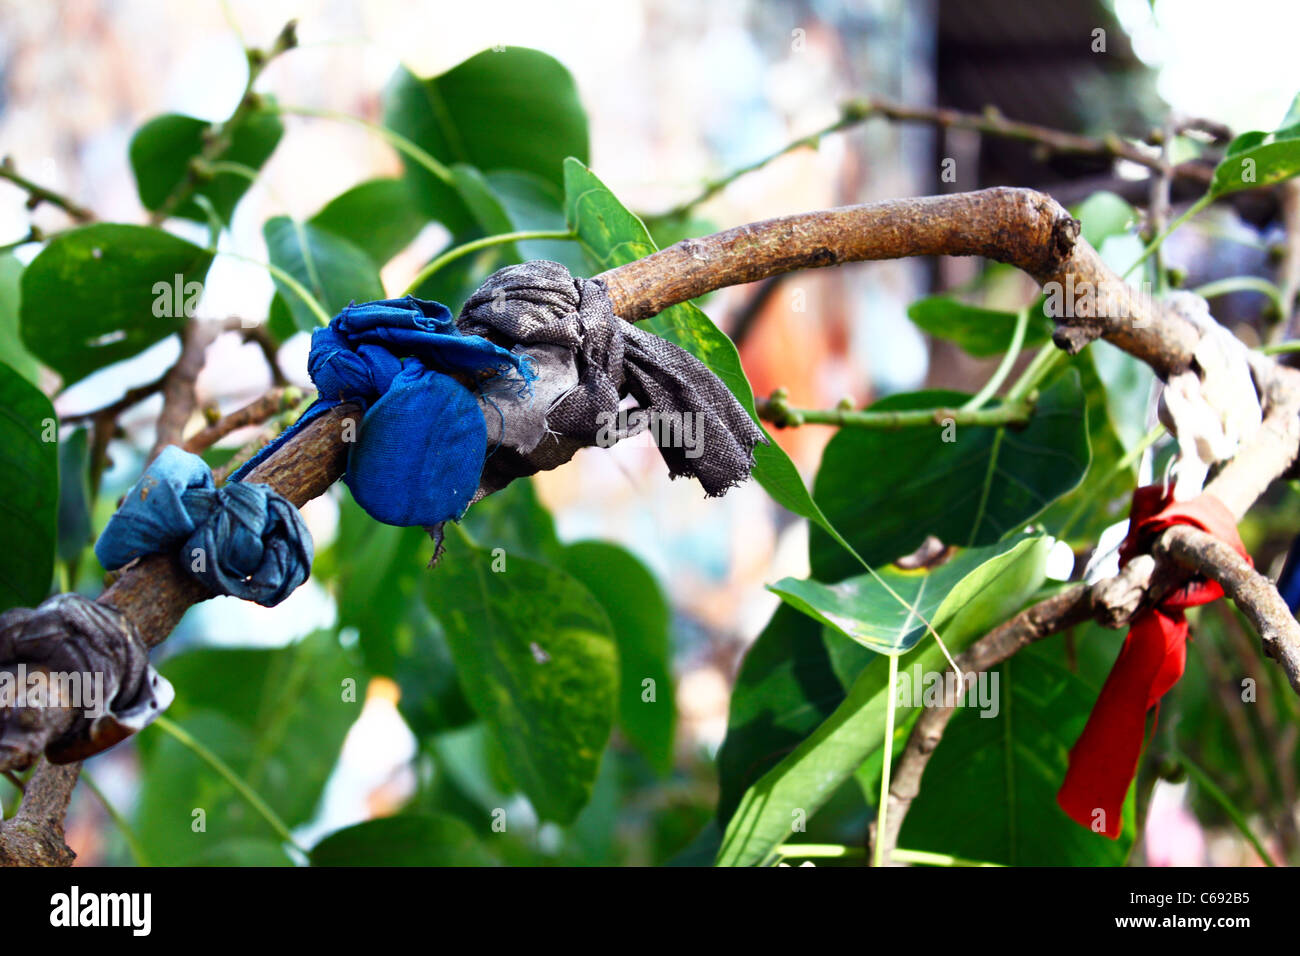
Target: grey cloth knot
point(587, 361)
point(75, 679)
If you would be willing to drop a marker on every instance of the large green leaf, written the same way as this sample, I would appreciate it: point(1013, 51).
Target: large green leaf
point(513, 109)
point(11, 346)
point(862, 609)
point(163, 148)
point(102, 293)
point(802, 782)
point(408, 839)
point(990, 788)
point(639, 613)
point(331, 268)
point(886, 490)
point(380, 570)
point(378, 217)
point(277, 717)
point(979, 332)
point(784, 690)
point(537, 659)
point(29, 490)
point(611, 235)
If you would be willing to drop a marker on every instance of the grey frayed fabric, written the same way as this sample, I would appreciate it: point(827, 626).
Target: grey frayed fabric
point(587, 360)
point(87, 645)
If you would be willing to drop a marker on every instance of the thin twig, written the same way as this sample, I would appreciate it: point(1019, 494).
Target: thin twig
point(37, 194)
point(256, 412)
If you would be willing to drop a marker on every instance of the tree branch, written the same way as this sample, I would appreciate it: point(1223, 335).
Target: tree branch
point(1254, 593)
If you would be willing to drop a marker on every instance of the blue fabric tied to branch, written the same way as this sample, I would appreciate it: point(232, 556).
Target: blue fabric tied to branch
point(241, 539)
point(423, 440)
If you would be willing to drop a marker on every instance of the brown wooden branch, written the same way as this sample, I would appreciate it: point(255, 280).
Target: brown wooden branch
point(178, 387)
point(256, 412)
point(1254, 593)
point(34, 837)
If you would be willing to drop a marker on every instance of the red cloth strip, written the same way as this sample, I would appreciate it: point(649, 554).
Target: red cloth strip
point(1104, 759)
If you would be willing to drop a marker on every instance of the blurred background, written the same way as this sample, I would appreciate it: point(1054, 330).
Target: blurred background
point(678, 92)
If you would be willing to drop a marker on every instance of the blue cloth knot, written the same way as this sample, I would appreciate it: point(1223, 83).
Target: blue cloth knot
point(241, 539)
point(423, 440)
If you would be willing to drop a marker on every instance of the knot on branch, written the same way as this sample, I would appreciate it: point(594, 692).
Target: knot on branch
point(74, 680)
point(588, 360)
point(241, 539)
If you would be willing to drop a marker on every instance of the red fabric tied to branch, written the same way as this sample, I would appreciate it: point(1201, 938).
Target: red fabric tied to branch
point(1105, 757)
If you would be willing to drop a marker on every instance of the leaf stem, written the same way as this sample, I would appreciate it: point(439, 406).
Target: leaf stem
point(1042, 365)
point(293, 284)
point(1155, 243)
point(394, 139)
point(780, 414)
point(132, 842)
point(981, 398)
point(887, 754)
point(251, 797)
point(1241, 284)
point(1218, 796)
point(476, 244)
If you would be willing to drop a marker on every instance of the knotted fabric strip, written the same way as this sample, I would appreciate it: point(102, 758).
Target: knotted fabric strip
point(246, 540)
point(423, 439)
point(75, 679)
point(1105, 757)
point(588, 360)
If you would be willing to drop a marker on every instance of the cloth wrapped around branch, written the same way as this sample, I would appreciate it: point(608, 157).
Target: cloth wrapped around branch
point(535, 368)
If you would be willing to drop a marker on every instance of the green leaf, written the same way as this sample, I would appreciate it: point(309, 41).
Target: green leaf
point(378, 217)
point(103, 293)
point(537, 659)
point(331, 268)
point(74, 494)
point(1257, 158)
point(276, 717)
point(887, 490)
point(861, 608)
point(380, 569)
point(162, 149)
point(11, 346)
point(404, 840)
point(804, 780)
point(639, 613)
point(1263, 165)
point(784, 690)
point(612, 236)
point(978, 332)
point(514, 109)
point(29, 491)
point(992, 783)
point(514, 519)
